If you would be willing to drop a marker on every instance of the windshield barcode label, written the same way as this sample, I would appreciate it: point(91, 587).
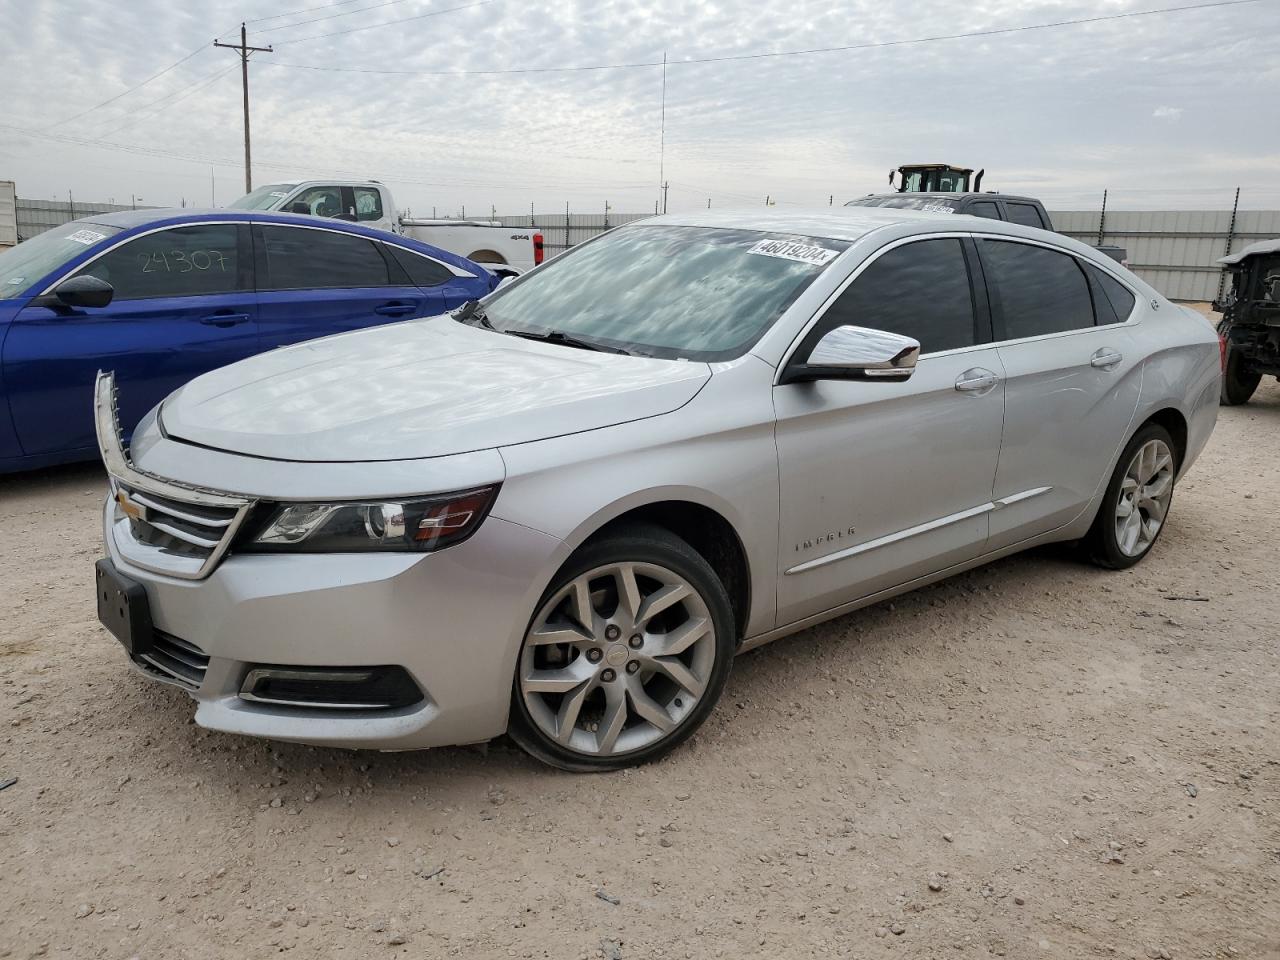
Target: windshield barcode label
point(87, 237)
point(790, 250)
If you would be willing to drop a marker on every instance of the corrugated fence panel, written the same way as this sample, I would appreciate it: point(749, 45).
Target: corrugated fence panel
point(37, 216)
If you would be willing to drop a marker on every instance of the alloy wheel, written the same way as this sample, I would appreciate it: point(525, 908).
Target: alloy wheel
point(617, 658)
point(1144, 498)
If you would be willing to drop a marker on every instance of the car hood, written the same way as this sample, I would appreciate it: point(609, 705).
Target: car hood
point(426, 388)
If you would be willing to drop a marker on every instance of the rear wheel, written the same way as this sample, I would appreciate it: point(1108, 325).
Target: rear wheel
point(1137, 500)
point(1238, 381)
point(626, 655)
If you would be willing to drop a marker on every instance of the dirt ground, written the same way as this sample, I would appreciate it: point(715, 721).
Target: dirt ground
point(1035, 759)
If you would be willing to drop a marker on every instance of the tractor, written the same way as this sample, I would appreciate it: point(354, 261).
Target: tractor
point(935, 178)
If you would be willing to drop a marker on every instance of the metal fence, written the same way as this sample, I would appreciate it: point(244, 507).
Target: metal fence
point(1173, 250)
point(37, 216)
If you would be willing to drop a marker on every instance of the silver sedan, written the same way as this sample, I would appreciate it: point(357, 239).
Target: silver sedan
point(561, 512)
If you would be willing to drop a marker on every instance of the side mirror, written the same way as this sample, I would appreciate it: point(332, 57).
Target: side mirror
point(857, 353)
point(84, 291)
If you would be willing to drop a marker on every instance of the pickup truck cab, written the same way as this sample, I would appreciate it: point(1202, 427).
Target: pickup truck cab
point(1027, 211)
point(506, 251)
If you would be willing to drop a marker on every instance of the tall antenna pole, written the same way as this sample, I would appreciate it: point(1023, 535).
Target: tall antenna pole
point(244, 50)
point(662, 136)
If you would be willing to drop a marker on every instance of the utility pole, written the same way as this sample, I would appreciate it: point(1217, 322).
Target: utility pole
point(244, 50)
point(662, 139)
point(665, 187)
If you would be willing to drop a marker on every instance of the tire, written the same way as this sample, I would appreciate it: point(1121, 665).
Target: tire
point(1238, 382)
point(639, 681)
point(1114, 542)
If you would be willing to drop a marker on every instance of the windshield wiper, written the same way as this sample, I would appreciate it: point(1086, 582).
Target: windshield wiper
point(473, 312)
point(567, 340)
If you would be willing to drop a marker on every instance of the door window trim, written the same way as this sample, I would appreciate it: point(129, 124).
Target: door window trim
point(456, 271)
point(981, 305)
point(993, 292)
point(121, 240)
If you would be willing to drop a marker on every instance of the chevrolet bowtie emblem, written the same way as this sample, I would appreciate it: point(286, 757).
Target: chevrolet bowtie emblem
point(134, 511)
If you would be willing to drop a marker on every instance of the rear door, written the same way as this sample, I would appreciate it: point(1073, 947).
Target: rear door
point(183, 305)
point(1071, 383)
point(313, 282)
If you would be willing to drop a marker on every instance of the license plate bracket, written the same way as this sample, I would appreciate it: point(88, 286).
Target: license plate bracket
point(123, 608)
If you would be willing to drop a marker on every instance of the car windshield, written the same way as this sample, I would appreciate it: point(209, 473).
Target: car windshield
point(265, 198)
point(23, 265)
point(930, 204)
point(667, 291)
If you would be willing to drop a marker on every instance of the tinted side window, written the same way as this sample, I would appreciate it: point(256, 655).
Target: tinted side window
point(1040, 290)
point(1117, 296)
point(182, 262)
point(422, 271)
point(984, 208)
point(919, 290)
point(368, 204)
point(301, 259)
point(1025, 214)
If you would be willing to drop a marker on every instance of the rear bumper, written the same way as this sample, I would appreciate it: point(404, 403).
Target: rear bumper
point(453, 620)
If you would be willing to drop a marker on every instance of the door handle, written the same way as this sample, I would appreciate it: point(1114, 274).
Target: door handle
point(1105, 359)
point(224, 319)
point(977, 381)
point(394, 309)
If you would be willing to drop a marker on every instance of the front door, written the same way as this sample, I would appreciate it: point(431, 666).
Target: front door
point(314, 282)
point(884, 482)
point(183, 305)
point(1072, 380)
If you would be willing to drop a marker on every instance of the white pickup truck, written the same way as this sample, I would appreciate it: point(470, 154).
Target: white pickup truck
point(506, 251)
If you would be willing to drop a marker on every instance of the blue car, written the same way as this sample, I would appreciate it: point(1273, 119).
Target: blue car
point(163, 296)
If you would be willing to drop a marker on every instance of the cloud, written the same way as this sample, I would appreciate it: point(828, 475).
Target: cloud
point(800, 129)
point(1172, 114)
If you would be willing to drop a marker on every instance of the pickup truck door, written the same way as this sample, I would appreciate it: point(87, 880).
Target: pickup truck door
point(313, 282)
point(183, 305)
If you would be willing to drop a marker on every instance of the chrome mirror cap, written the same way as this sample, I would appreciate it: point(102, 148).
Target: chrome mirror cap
point(857, 353)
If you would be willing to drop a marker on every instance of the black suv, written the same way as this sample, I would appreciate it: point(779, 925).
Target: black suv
point(1027, 211)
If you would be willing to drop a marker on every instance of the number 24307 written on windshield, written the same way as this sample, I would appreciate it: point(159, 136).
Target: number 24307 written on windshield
point(178, 261)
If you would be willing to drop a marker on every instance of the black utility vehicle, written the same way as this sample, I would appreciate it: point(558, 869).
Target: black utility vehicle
point(1250, 324)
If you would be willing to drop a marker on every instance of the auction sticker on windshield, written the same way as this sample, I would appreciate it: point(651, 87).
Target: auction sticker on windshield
point(87, 237)
point(792, 250)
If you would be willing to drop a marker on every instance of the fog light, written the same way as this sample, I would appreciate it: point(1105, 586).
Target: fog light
point(331, 688)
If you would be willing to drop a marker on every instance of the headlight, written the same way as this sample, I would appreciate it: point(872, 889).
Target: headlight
point(430, 523)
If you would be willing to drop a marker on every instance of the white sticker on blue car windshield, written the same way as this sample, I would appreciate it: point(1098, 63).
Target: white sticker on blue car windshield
point(87, 237)
point(14, 281)
point(792, 250)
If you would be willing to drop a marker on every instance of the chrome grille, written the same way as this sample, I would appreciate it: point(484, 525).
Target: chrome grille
point(170, 535)
point(175, 660)
point(158, 524)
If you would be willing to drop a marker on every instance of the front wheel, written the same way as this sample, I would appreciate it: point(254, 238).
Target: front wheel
point(1137, 500)
point(626, 654)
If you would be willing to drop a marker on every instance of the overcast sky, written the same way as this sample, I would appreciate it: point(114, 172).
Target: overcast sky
point(1168, 111)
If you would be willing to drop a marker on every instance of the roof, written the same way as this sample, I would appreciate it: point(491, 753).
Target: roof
point(835, 223)
point(1253, 250)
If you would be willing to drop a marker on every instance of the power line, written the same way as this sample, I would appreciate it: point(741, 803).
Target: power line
point(115, 126)
point(331, 16)
point(995, 31)
point(422, 16)
point(294, 13)
point(136, 86)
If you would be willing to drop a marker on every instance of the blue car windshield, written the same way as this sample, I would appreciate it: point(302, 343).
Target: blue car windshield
point(24, 265)
point(696, 293)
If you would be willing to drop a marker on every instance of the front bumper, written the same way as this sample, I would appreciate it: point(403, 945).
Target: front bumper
point(453, 619)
